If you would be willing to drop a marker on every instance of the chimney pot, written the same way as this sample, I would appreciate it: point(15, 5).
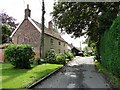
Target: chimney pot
point(50, 25)
point(27, 6)
point(27, 12)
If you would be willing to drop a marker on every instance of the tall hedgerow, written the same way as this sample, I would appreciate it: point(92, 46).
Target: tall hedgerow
point(110, 48)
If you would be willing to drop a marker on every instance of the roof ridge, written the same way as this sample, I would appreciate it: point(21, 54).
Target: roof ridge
point(50, 32)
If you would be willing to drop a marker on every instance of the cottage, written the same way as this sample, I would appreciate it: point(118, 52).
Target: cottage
point(29, 32)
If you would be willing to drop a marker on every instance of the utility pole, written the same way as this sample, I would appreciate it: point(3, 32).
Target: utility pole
point(42, 34)
point(118, 11)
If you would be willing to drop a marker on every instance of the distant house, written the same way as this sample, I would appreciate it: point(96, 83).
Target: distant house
point(29, 32)
point(76, 51)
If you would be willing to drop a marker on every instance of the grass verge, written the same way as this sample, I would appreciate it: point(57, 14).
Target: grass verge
point(22, 78)
point(113, 80)
point(0, 75)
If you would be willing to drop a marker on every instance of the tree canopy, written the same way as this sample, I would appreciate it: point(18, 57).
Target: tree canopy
point(8, 25)
point(79, 18)
point(9, 20)
point(6, 32)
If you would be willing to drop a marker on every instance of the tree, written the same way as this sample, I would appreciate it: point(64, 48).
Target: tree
point(91, 44)
point(80, 18)
point(9, 20)
point(6, 32)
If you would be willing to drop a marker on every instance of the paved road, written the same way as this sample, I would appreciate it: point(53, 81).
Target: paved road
point(79, 73)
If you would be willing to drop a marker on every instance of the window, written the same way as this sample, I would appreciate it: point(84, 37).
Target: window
point(59, 43)
point(26, 40)
point(64, 44)
point(51, 41)
point(59, 51)
point(52, 48)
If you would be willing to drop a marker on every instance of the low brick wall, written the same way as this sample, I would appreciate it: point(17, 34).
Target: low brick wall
point(2, 47)
point(1, 55)
point(37, 52)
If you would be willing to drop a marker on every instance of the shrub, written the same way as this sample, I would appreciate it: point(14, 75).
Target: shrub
point(69, 55)
point(19, 55)
point(50, 56)
point(38, 61)
point(60, 59)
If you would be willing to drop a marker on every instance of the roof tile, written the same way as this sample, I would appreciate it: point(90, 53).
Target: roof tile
point(52, 33)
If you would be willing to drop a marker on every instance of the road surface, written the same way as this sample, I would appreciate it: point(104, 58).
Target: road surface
point(79, 73)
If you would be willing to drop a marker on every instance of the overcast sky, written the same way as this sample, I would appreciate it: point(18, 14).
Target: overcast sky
point(15, 8)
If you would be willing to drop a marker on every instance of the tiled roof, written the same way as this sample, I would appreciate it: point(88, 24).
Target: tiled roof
point(47, 31)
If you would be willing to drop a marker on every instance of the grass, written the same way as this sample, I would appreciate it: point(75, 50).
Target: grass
point(113, 79)
point(0, 75)
point(22, 78)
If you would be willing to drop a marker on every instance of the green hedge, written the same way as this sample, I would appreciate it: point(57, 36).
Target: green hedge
point(19, 55)
point(110, 48)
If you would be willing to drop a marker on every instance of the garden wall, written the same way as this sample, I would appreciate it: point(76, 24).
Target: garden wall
point(1, 54)
point(2, 47)
point(37, 53)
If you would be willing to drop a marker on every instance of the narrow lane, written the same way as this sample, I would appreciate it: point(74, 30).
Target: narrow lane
point(79, 73)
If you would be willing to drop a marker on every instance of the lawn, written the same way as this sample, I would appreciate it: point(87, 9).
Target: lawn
point(22, 78)
point(0, 75)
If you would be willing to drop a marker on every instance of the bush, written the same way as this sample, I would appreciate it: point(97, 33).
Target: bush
point(19, 55)
point(69, 55)
point(110, 48)
point(38, 61)
point(50, 56)
point(60, 59)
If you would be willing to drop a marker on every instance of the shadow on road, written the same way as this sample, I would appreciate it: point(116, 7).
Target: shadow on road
point(79, 73)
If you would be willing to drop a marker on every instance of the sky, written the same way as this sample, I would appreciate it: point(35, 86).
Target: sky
point(15, 8)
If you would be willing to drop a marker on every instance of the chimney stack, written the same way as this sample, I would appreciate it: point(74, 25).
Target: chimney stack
point(27, 12)
point(50, 25)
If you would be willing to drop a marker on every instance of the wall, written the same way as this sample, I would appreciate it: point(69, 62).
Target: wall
point(1, 55)
point(27, 34)
point(33, 37)
point(55, 45)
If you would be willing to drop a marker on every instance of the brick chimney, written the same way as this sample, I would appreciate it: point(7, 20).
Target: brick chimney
point(50, 25)
point(27, 12)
